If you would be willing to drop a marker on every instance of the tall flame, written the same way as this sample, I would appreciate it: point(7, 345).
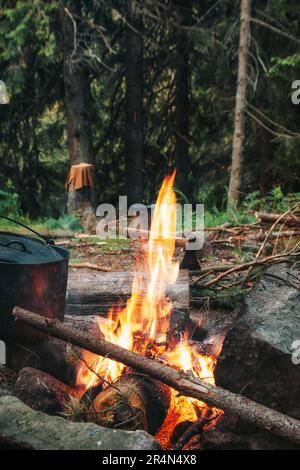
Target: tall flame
point(143, 324)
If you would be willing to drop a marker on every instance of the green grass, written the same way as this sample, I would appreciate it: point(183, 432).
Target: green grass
point(65, 223)
point(216, 218)
point(275, 201)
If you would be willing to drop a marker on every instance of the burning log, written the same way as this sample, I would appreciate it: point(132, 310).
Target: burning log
point(42, 391)
point(134, 401)
point(289, 219)
point(179, 322)
point(188, 385)
point(194, 429)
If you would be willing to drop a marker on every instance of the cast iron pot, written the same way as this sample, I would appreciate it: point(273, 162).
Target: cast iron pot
point(33, 275)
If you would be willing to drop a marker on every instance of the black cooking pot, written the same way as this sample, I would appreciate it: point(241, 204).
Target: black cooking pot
point(33, 275)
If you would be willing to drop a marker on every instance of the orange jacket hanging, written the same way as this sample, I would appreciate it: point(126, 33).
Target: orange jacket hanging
point(80, 176)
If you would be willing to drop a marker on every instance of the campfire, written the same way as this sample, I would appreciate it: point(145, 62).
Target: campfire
point(143, 326)
point(146, 364)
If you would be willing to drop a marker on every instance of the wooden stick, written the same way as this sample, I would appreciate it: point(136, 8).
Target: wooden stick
point(135, 233)
point(90, 266)
point(188, 385)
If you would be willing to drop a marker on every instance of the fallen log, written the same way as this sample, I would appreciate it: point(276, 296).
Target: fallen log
point(281, 234)
point(289, 219)
point(134, 402)
point(91, 292)
point(268, 419)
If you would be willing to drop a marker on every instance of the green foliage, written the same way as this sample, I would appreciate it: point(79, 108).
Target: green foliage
point(231, 298)
point(275, 201)
point(67, 222)
point(216, 218)
point(283, 66)
point(9, 203)
point(43, 226)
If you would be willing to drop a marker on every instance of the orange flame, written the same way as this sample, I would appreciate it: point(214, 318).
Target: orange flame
point(142, 326)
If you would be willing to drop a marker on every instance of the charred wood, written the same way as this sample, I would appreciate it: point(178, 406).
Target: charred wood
point(134, 402)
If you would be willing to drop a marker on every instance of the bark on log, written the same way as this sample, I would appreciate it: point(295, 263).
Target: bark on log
point(268, 419)
point(91, 292)
point(134, 402)
point(290, 219)
point(88, 323)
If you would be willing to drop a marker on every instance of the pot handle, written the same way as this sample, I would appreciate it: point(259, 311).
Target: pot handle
point(17, 242)
point(47, 240)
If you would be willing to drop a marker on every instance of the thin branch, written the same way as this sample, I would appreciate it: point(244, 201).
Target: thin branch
point(277, 134)
point(242, 267)
point(280, 126)
point(275, 30)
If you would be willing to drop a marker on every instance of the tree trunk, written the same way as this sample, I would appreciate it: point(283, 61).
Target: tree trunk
point(182, 103)
point(134, 119)
point(77, 99)
point(240, 108)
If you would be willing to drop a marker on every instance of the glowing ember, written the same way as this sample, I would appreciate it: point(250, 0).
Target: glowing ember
point(142, 326)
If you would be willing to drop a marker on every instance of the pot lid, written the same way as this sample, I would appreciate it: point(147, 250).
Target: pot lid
point(19, 249)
